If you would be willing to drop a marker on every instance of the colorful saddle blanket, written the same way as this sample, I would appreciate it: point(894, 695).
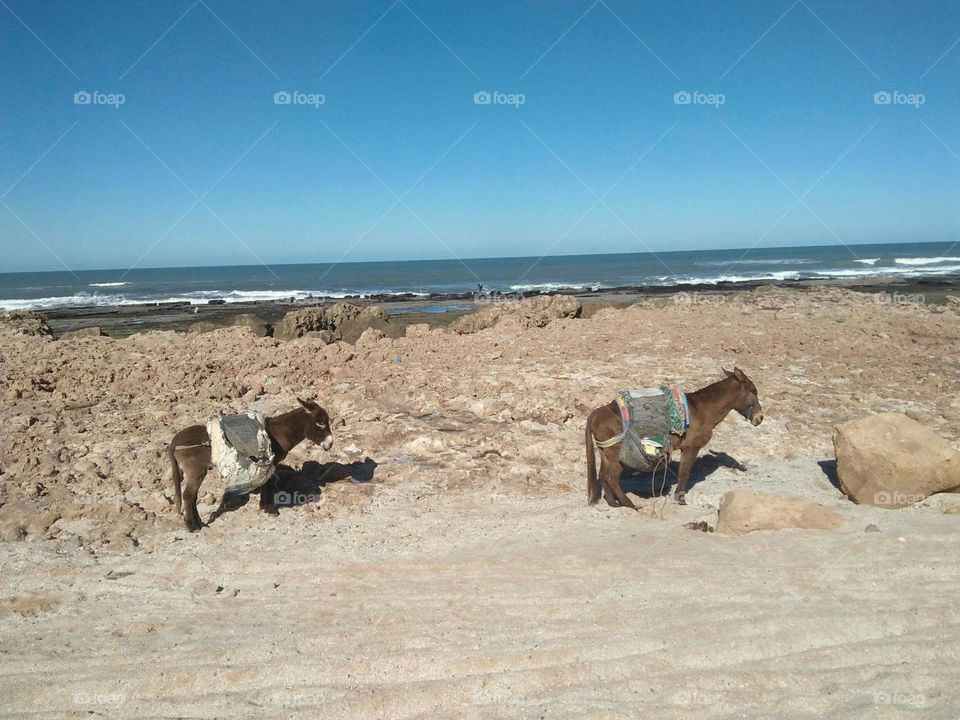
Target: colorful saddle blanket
point(649, 417)
point(242, 451)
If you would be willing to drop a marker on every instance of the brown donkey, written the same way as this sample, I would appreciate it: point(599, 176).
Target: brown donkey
point(708, 407)
point(189, 453)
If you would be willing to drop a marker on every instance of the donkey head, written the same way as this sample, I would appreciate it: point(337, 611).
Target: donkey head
point(747, 402)
point(316, 424)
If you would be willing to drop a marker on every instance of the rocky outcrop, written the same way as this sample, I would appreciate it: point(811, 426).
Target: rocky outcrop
point(83, 332)
point(891, 461)
point(537, 311)
point(258, 326)
point(744, 511)
point(25, 322)
point(344, 321)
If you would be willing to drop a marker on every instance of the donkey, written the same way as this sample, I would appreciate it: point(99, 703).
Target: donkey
point(190, 457)
point(708, 407)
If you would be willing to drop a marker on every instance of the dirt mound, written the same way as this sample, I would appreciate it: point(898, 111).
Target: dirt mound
point(25, 322)
point(83, 332)
point(537, 311)
point(343, 321)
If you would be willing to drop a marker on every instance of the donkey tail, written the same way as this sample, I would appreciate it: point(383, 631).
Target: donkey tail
point(594, 489)
point(176, 475)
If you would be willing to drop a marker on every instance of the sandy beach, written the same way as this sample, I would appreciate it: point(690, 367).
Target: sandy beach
point(441, 560)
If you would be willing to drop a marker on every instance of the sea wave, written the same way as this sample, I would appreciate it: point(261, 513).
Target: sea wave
point(868, 261)
point(902, 272)
point(196, 297)
point(109, 284)
point(715, 279)
point(926, 261)
point(554, 286)
point(747, 261)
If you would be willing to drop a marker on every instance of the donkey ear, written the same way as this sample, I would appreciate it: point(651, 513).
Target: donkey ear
point(739, 374)
point(304, 403)
point(727, 372)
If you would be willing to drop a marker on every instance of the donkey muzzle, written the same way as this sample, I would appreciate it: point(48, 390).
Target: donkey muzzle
point(756, 417)
point(327, 443)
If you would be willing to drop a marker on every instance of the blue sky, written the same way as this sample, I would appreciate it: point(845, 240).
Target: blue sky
point(781, 144)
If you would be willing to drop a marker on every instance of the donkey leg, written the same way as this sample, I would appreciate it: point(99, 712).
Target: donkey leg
point(614, 469)
point(268, 493)
point(687, 457)
point(191, 489)
point(608, 493)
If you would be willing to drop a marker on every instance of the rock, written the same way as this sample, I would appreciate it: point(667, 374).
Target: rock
point(324, 336)
point(537, 311)
point(744, 511)
point(344, 321)
point(204, 326)
point(370, 336)
point(25, 322)
point(417, 330)
point(83, 332)
point(259, 327)
point(952, 302)
point(871, 529)
point(892, 461)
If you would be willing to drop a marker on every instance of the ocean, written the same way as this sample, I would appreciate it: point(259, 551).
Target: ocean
point(246, 283)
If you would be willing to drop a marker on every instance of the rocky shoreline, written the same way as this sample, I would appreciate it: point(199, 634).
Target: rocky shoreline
point(436, 310)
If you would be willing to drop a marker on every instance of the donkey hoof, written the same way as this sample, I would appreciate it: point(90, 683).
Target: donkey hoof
point(681, 498)
point(270, 509)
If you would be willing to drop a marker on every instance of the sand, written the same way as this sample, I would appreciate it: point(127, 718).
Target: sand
point(447, 564)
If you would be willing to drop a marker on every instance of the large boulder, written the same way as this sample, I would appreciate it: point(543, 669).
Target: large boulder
point(891, 461)
point(744, 511)
point(537, 311)
point(25, 322)
point(344, 321)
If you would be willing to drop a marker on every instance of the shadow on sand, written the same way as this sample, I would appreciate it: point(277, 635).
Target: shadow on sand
point(296, 487)
point(640, 483)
